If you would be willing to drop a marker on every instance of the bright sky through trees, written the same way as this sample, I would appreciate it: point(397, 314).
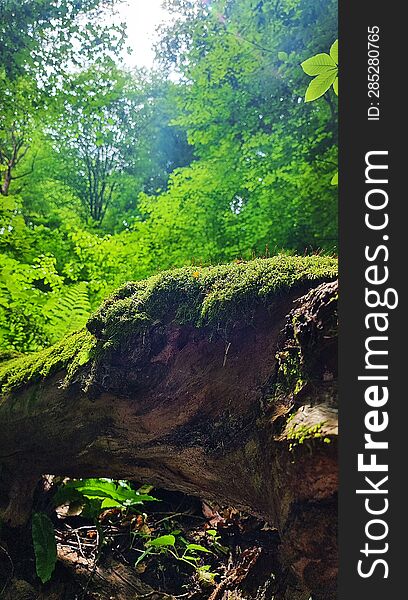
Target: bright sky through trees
point(142, 18)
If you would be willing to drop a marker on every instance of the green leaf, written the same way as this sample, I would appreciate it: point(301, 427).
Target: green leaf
point(335, 179)
point(319, 85)
point(163, 540)
point(45, 547)
point(198, 548)
point(211, 532)
point(110, 503)
point(119, 492)
point(283, 56)
point(334, 52)
point(319, 64)
point(336, 86)
point(205, 575)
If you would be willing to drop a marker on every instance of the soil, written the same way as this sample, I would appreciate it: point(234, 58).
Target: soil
point(96, 561)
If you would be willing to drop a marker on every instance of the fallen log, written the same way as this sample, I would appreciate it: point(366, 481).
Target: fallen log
point(219, 382)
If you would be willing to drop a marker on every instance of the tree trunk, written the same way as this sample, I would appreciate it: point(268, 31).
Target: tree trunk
point(244, 414)
point(5, 184)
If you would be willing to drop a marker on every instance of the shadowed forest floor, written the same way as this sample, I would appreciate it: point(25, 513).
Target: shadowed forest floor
point(96, 559)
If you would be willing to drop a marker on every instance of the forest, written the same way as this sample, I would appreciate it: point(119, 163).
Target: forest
point(109, 176)
point(209, 183)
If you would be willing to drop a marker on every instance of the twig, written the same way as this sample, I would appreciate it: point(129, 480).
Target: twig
point(181, 514)
point(79, 543)
point(11, 572)
point(228, 346)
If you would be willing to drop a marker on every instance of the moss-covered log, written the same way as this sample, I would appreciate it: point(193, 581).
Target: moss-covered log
point(218, 382)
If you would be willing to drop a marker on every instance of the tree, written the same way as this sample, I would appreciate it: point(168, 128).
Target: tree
point(20, 100)
point(96, 131)
point(264, 159)
point(184, 381)
point(41, 36)
point(45, 38)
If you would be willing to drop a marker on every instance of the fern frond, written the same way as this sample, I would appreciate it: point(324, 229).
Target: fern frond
point(69, 310)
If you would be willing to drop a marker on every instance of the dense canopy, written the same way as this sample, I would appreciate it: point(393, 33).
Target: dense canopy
point(109, 174)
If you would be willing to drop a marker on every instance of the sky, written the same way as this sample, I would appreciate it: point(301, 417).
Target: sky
point(142, 17)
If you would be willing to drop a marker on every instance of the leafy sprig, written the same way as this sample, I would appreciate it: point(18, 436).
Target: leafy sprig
point(324, 68)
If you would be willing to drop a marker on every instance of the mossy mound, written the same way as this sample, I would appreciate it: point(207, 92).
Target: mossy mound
point(215, 297)
point(70, 353)
point(212, 296)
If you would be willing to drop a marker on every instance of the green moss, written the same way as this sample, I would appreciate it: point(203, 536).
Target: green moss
point(299, 433)
point(291, 376)
point(216, 297)
point(71, 352)
point(212, 296)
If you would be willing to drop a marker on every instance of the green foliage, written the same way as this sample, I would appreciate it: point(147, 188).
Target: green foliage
point(45, 35)
point(324, 68)
point(162, 541)
point(97, 128)
point(299, 434)
point(45, 547)
point(19, 100)
point(46, 40)
point(96, 495)
point(68, 311)
point(174, 545)
point(109, 176)
point(23, 296)
point(254, 183)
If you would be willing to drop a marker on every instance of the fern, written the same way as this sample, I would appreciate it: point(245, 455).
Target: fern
point(68, 311)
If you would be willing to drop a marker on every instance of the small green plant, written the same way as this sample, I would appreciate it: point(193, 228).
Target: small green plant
point(97, 495)
point(178, 547)
point(166, 544)
point(68, 310)
point(45, 547)
point(290, 369)
point(215, 541)
point(324, 69)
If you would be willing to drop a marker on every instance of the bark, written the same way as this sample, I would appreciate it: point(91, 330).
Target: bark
point(4, 189)
point(248, 420)
point(11, 159)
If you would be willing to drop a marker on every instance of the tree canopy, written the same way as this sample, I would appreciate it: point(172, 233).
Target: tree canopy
point(109, 174)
